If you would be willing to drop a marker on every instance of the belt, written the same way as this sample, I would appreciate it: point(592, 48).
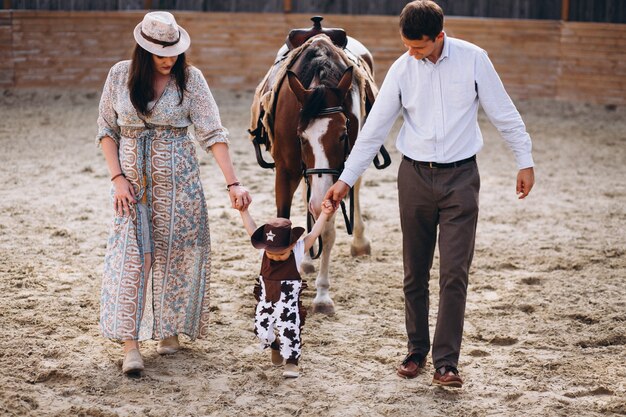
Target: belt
point(159, 131)
point(438, 165)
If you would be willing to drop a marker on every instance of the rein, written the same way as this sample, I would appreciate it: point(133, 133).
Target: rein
point(349, 220)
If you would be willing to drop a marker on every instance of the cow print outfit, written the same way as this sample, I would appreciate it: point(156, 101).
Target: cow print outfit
point(279, 304)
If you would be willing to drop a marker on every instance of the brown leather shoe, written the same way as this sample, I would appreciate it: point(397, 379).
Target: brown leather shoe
point(449, 378)
point(411, 366)
point(277, 359)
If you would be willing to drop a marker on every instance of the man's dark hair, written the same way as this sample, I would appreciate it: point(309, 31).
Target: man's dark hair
point(421, 18)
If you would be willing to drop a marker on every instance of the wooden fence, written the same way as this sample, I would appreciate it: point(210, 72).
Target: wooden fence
point(535, 58)
point(609, 11)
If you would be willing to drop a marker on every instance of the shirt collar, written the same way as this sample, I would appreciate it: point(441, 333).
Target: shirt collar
point(445, 52)
point(446, 47)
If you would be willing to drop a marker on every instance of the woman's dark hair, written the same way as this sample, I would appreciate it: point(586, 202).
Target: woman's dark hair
point(141, 78)
point(421, 18)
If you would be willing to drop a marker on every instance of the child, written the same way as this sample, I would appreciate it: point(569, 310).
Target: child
point(281, 285)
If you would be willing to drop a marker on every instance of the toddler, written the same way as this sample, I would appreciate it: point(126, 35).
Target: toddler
point(279, 306)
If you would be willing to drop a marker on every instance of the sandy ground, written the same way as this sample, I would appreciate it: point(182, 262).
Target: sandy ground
point(545, 331)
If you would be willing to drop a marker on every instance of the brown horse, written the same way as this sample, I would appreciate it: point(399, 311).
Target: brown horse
point(317, 118)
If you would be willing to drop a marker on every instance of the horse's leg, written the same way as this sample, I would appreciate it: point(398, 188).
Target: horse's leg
point(285, 186)
point(360, 244)
point(322, 302)
point(307, 263)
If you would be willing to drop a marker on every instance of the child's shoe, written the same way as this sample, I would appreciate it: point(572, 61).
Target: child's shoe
point(291, 371)
point(277, 359)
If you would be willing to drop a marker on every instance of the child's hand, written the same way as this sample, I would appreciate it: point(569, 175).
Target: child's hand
point(329, 207)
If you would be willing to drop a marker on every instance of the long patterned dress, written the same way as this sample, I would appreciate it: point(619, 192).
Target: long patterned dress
point(158, 157)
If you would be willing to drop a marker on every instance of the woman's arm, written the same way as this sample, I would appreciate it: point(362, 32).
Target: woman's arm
point(210, 133)
point(124, 194)
point(109, 149)
point(239, 196)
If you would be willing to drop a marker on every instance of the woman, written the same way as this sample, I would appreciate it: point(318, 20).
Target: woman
point(157, 264)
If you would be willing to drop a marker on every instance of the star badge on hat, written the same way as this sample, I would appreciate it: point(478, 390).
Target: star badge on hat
point(270, 236)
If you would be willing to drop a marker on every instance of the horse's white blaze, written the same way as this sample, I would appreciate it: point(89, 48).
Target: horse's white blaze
point(319, 185)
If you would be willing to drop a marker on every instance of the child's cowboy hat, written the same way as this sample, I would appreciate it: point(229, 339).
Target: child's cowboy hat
point(159, 34)
point(276, 235)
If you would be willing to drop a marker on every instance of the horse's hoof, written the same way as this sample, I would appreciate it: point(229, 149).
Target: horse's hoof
point(324, 308)
point(361, 250)
point(307, 268)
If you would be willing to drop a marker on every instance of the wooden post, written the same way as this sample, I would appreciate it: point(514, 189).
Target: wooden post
point(565, 10)
point(287, 6)
point(7, 4)
point(147, 4)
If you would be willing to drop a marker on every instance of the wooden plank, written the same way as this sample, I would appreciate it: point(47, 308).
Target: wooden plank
point(534, 58)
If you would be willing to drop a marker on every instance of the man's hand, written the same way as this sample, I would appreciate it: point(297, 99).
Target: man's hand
point(525, 182)
point(337, 192)
point(328, 207)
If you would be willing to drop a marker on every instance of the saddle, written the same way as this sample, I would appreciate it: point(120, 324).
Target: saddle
point(266, 92)
point(297, 37)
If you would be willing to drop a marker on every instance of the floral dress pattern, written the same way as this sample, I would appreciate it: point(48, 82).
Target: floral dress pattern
point(158, 157)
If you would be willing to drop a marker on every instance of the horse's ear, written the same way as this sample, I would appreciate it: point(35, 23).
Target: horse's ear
point(346, 82)
point(297, 87)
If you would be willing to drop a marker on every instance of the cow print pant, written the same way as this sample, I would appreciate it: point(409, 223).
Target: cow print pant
point(283, 316)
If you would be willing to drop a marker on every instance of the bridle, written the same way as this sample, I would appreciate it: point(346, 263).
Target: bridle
point(336, 173)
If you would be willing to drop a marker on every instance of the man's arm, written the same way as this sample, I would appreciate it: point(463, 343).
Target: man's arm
point(501, 111)
point(503, 114)
point(371, 137)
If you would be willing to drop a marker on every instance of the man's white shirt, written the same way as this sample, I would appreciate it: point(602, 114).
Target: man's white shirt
point(439, 103)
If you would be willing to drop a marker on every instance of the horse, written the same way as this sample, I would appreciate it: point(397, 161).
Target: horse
point(318, 114)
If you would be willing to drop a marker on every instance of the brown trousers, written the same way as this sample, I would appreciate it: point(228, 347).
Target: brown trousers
point(448, 198)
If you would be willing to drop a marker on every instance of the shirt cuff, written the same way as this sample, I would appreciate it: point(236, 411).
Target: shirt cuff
point(525, 161)
point(349, 177)
point(207, 145)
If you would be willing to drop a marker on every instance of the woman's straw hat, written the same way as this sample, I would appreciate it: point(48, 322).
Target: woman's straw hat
point(159, 34)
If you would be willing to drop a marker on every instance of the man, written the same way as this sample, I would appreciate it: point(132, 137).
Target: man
point(437, 84)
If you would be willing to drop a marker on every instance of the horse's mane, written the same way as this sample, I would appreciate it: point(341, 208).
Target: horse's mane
point(320, 61)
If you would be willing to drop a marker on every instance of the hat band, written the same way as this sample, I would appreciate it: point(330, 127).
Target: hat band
point(158, 42)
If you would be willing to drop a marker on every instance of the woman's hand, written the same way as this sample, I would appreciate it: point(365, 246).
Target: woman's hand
point(123, 197)
point(240, 198)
